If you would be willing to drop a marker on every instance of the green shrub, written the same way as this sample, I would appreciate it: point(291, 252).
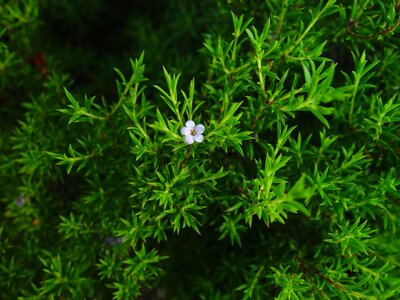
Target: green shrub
point(289, 193)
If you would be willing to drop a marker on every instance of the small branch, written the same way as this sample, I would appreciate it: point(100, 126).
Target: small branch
point(306, 270)
point(282, 17)
point(186, 157)
point(353, 23)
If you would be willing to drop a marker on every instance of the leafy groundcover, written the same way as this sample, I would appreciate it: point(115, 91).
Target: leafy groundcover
point(223, 149)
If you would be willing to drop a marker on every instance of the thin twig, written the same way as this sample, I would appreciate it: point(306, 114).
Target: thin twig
point(353, 23)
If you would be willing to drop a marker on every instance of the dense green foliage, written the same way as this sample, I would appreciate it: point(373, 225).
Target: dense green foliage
point(293, 194)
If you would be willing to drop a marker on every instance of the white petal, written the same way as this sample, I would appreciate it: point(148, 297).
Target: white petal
point(198, 138)
point(189, 139)
point(186, 131)
point(199, 129)
point(190, 124)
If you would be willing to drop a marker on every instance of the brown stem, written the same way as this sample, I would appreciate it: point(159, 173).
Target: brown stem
point(186, 158)
point(306, 270)
point(353, 23)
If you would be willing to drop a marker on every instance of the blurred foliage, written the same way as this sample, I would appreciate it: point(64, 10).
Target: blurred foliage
point(292, 195)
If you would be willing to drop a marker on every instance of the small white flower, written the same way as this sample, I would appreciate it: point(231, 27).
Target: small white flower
point(192, 132)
